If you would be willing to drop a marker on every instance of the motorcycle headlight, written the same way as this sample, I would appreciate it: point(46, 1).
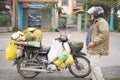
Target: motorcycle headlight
point(64, 38)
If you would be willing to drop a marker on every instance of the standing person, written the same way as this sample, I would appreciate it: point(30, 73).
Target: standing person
point(97, 41)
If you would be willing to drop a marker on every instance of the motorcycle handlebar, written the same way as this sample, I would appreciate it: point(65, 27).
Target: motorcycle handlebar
point(57, 38)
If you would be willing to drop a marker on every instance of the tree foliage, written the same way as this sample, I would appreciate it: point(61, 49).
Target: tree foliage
point(4, 19)
point(107, 5)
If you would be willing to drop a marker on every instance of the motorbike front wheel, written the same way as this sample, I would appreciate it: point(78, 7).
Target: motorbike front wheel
point(81, 67)
point(25, 74)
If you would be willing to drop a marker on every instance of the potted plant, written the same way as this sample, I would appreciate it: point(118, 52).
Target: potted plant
point(4, 22)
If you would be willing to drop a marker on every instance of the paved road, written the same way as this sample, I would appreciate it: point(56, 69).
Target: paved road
point(110, 64)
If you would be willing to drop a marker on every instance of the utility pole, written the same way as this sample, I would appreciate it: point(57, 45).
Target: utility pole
point(15, 14)
point(86, 17)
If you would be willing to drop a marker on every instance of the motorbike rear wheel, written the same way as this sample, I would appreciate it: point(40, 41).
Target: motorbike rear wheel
point(81, 67)
point(25, 74)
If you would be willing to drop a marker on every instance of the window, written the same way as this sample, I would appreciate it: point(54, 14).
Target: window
point(64, 2)
point(79, 1)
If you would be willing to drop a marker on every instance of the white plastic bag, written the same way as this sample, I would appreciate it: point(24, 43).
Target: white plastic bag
point(67, 47)
point(56, 49)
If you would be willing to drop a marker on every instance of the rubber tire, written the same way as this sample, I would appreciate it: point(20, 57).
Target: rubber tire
point(80, 76)
point(21, 72)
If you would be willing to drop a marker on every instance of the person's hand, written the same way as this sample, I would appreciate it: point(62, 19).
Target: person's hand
point(90, 45)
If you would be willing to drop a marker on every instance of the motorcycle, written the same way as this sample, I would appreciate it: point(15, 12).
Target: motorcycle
point(33, 60)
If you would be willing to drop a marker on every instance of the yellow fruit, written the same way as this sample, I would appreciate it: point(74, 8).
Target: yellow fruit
point(69, 60)
point(37, 35)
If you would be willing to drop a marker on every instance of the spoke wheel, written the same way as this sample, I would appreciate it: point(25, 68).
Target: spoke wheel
point(81, 67)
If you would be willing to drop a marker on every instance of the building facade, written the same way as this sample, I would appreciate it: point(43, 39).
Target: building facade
point(31, 13)
point(70, 11)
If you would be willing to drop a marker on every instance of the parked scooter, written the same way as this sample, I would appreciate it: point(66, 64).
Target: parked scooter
point(34, 59)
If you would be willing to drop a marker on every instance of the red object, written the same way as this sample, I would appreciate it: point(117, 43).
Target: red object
point(25, 5)
point(8, 2)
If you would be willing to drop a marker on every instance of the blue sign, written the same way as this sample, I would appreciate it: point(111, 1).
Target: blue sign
point(35, 5)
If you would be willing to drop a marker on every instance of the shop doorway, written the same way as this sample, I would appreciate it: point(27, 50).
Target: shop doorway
point(37, 15)
point(34, 18)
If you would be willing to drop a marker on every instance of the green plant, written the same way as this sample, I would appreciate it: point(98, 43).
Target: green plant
point(17, 29)
point(61, 21)
point(51, 29)
point(117, 23)
point(47, 5)
point(4, 19)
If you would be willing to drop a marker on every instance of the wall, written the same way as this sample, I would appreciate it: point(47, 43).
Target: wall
point(68, 9)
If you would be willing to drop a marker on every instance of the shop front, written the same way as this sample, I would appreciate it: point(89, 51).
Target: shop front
point(35, 13)
point(30, 13)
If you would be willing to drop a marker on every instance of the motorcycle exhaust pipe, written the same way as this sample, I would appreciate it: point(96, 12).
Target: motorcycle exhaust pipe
point(35, 70)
